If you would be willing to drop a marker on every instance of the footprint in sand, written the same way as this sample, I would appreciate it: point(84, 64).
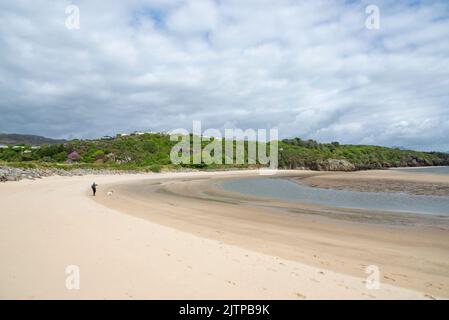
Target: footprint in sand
point(428, 285)
point(388, 278)
point(300, 295)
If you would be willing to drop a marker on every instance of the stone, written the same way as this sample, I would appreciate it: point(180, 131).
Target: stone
point(333, 165)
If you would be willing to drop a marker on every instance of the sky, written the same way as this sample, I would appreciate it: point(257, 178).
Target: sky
point(311, 69)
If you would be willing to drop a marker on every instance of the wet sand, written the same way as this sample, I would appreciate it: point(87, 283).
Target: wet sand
point(381, 181)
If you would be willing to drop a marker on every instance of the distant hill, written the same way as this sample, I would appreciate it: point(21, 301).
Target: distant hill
point(18, 139)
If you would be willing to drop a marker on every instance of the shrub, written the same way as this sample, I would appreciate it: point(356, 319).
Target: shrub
point(74, 156)
point(155, 168)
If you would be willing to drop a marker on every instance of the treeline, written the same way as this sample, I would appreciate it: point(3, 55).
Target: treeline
point(307, 153)
point(152, 152)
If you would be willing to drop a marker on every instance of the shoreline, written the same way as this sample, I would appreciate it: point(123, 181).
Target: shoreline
point(13, 173)
point(422, 183)
point(316, 235)
point(408, 211)
point(419, 167)
point(49, 224)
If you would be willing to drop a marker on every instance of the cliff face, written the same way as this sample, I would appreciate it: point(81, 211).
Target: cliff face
point(344, 165)
point(415, 162)
point(333, 165)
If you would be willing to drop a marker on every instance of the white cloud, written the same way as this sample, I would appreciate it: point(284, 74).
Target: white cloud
point(310, 68)
point(193, 16)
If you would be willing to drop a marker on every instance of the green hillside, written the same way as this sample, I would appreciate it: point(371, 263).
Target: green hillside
point(300, 153)
point(152, 152)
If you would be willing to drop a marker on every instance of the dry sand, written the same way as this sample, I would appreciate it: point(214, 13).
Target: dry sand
point(194, 242)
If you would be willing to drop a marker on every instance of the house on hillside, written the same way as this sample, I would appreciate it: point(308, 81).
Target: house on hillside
point(137, 133)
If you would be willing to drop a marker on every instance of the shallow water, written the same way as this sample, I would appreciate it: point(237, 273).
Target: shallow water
point(437, 170)
point(283, 189)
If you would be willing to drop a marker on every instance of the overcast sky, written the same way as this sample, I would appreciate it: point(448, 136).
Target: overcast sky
point(309, 68)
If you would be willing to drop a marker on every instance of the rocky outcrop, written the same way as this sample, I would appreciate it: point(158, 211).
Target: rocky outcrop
point(17, 174)
point(440, 162)
point(333, 165)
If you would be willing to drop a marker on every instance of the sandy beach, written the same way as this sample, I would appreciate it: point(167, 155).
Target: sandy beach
point(179, 236)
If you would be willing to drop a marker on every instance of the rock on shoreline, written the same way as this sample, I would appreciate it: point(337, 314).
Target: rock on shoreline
point(333, 165)
point(17, 174)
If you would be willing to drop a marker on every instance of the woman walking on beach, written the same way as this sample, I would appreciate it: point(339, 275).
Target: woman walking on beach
point(94, 188)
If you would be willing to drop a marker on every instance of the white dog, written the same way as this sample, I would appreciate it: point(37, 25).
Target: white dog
point(110, 193)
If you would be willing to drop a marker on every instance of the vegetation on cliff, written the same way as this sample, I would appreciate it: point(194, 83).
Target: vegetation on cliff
point(152, 152)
